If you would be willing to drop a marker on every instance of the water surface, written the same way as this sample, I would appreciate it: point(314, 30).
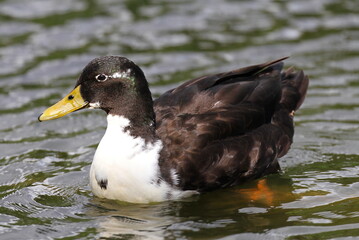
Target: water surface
point(44, 44)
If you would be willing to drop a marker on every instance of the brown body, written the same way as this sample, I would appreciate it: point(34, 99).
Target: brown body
point(224, 129)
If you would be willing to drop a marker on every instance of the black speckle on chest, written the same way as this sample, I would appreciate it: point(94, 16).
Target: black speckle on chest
point(102, 183)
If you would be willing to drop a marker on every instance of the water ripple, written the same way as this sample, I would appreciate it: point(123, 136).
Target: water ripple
point(44, 167)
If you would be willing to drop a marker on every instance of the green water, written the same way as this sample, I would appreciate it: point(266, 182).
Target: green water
point(44, 44)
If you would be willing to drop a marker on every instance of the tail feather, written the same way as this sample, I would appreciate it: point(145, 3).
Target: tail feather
point(294, 88)
point(302, 89)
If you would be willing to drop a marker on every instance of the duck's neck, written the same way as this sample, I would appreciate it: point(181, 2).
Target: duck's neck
point(141, 119)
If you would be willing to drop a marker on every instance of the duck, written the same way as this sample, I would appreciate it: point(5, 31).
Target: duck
point(215, 131)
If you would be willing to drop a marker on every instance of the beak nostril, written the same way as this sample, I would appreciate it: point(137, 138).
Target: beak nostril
point(70, 103)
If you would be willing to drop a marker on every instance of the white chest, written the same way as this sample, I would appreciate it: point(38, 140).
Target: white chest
point(128, 167)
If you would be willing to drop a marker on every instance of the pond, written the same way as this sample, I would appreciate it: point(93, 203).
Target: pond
point(44, 44)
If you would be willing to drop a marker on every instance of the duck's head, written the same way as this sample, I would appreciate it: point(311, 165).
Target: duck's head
point(113, 84)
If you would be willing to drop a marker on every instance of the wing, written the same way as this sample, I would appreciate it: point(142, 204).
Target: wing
point(200, 94)
point(258, 84)
point(188, 133)
point(223, 129)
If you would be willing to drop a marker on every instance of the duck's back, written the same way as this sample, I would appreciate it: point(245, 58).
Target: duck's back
point(223, 129)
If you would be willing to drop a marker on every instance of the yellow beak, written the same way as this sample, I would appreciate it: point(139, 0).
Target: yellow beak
point(72, 102)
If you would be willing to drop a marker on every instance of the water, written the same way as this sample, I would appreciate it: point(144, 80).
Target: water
point(44, 166)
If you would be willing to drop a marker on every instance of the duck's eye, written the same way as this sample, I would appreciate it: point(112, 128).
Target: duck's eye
point(101, 77)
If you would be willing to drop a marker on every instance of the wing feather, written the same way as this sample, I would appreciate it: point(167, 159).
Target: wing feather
point(223, 129)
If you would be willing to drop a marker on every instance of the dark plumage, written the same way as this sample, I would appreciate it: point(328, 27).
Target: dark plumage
point(216, 131)
point(224, 129)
